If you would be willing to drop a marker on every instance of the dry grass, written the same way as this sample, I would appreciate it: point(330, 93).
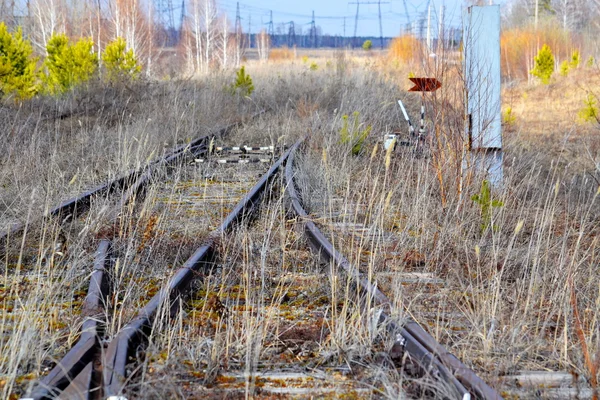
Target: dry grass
point(406, 49)
point(501, 299)
point(283, 53)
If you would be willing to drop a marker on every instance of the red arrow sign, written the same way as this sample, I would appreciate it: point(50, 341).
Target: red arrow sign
point(425, 85)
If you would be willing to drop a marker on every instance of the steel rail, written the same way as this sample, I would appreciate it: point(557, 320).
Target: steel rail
point(410, 337)
point(82, 354)
point(78, 370)
point(114, 359)
point(134, 179)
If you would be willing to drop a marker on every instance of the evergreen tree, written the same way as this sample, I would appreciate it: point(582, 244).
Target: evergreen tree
point(68, 65)
point(17, 67)
point(544, 65)
point(118, 63)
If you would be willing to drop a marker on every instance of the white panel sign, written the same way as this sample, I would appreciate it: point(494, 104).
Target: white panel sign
point(481, 40)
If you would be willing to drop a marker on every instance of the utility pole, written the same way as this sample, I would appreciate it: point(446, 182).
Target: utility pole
point(167, 21)
point(429, 29)
point(422, 20)
point(238, 22)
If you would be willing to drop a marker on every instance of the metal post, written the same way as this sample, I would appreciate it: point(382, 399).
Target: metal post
point(482, 89)
point(411, 128)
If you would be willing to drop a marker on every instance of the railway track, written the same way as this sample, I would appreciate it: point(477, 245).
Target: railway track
point(131, 182)
point(410, 339)
point(272, 310)
point(88, 363)
point(34, 252)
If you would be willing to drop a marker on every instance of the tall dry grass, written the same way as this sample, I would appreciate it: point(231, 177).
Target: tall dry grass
point(406, 48)
point(519, 46)
point(501, 298)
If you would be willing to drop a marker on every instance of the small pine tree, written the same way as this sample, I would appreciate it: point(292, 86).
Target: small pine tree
point(589, 112)
point(508, 117)
point(564, 68)
point(590, 62)
point(17, 67)
point(575, 59)
point(544, 65)
point(367, 45)
point(68, 65)
point(242, 84)
point(118, 63)
point(354, 135)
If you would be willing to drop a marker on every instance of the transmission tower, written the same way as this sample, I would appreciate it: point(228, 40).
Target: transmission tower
point(408, 23)
point(166, 19)
point(355, 23)
point(181, 19)
point(291, 36)
point(249, 29)
point(239, 46)
point(358, 3)
point(422, 20)
point(238, 24)
point(270, 30)
point(380, 25)
point(312, 34)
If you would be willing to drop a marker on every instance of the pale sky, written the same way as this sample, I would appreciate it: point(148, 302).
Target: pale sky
point(329, 14)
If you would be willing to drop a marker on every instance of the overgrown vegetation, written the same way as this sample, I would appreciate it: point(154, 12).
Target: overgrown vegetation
point(17, 66)
point(119, 63)
point(68, 65)
point(544, 65)
point(417, 221)
point(242, 84)
point(405, 48)
point(354, 133)
point(589, 112)
point(486, 205)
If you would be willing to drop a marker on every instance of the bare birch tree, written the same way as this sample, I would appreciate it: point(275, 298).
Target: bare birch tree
point(210, 16)
point(194, 34)
point(48, 19)
point(262, 45)
point(224, 41)
point(130, 22)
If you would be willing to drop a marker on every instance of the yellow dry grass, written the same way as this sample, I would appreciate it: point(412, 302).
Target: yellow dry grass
point(553, 108)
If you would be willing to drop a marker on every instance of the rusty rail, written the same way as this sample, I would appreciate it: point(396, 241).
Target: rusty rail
point(410, 338)
point(115, 356)
point(132, 182)
point(86, 359)
point(79, 360)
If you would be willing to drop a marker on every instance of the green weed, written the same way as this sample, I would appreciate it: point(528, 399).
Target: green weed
point(486, 204)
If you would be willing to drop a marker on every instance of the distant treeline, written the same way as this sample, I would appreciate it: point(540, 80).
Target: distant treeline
point(306, 41)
